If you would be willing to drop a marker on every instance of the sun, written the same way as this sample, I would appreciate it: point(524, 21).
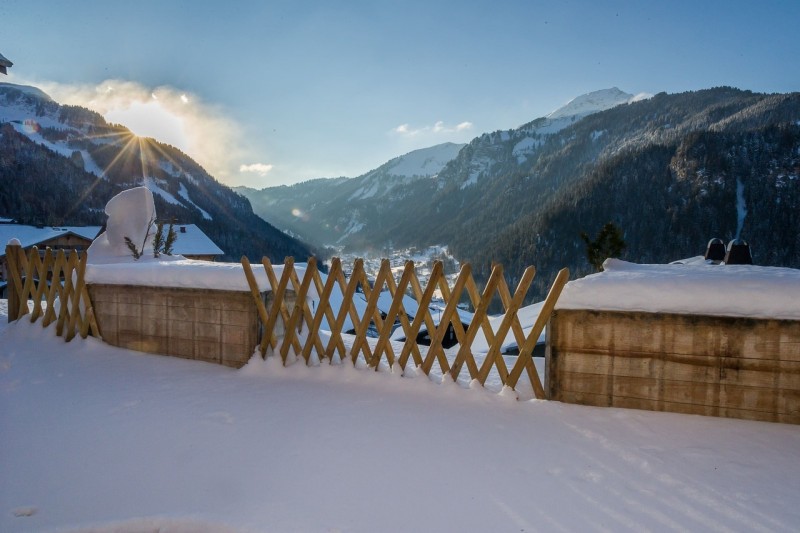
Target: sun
point(151, 119)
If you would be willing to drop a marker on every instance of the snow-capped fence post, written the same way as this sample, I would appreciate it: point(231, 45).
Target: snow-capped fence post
point(373, 324)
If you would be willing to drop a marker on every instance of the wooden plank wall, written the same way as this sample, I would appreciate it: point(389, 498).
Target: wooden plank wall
point(709, 365)
point(207, 325)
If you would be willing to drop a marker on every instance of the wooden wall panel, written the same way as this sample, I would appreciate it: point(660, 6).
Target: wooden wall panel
point(719, 366)
point(207, 325)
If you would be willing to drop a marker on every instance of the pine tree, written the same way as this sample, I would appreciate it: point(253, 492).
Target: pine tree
point(171, 238)
point(158, 239)
point(609, 243)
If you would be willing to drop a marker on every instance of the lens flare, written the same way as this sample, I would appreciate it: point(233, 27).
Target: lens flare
point(300, 214)
point(31, 126)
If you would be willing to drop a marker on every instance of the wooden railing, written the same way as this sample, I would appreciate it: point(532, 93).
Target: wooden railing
point(50, 286)
point(303, 335)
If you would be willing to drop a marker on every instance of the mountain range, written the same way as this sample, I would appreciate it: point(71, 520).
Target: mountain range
point(60, 164)
point(671, 170)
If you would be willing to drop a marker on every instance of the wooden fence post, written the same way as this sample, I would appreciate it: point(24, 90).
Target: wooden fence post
point(13, 274)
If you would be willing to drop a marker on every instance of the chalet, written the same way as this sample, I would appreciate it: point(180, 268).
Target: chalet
point(5, 64)
point(191, 243)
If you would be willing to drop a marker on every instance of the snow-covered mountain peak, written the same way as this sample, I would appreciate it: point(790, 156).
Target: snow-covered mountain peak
point(394, 174)
point(423, 162)
point(592, 102)
point(27, 89)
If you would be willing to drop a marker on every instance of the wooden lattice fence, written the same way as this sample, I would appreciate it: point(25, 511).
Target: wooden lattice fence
point(302, 333)
point(54, 283)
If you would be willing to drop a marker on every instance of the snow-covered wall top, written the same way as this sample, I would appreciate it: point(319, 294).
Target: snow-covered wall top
point(183, 273)
point(693, 288)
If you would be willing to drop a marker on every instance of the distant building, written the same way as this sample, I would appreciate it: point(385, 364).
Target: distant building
point(191, 243)
point(4, 64)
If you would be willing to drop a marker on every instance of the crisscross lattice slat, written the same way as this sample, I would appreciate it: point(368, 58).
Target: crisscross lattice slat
point(303, 319)
point(38, 278)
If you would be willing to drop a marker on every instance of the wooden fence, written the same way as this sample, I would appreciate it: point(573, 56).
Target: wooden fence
point(54, 283)
point(302, 324)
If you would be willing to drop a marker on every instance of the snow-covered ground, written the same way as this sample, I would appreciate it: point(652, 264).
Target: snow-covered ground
point(96, 438)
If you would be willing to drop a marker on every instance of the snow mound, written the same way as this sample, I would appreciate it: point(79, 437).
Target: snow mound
point(131, 214)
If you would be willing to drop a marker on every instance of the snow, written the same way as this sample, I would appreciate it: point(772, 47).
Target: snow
point(477, 167)
point(155, 188)
point(566, 115)
point(60, 148)
point(102, 439)
point(184, 193)
point(354, 226)
point(31, 235)
point(402, 170)
point(192, 241)
point(694, 288)
point(593, 102)
point(23, 116)
point(89, 164)
point(27, 89)
point(424, 162)
point(131, 214)
point(741, 207)
point(177, 271)
point(366, 192)
point(527, 317)
point(524, 147)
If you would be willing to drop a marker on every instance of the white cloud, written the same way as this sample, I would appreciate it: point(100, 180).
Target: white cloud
point(641, 96)
point(258, 168)
point(439, 127)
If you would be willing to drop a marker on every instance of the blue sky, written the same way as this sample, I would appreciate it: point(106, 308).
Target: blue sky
point(266, 93)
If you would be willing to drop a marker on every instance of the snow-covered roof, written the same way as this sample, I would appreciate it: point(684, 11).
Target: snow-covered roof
point(5, 64)
point(690, 287)
point(192, 241)
point(31, 235)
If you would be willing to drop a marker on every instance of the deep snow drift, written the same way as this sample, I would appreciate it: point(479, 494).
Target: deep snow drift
point(96, 438)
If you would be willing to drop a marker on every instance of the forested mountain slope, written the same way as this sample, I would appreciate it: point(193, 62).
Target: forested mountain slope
point(59, 165)
point(665, 169)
